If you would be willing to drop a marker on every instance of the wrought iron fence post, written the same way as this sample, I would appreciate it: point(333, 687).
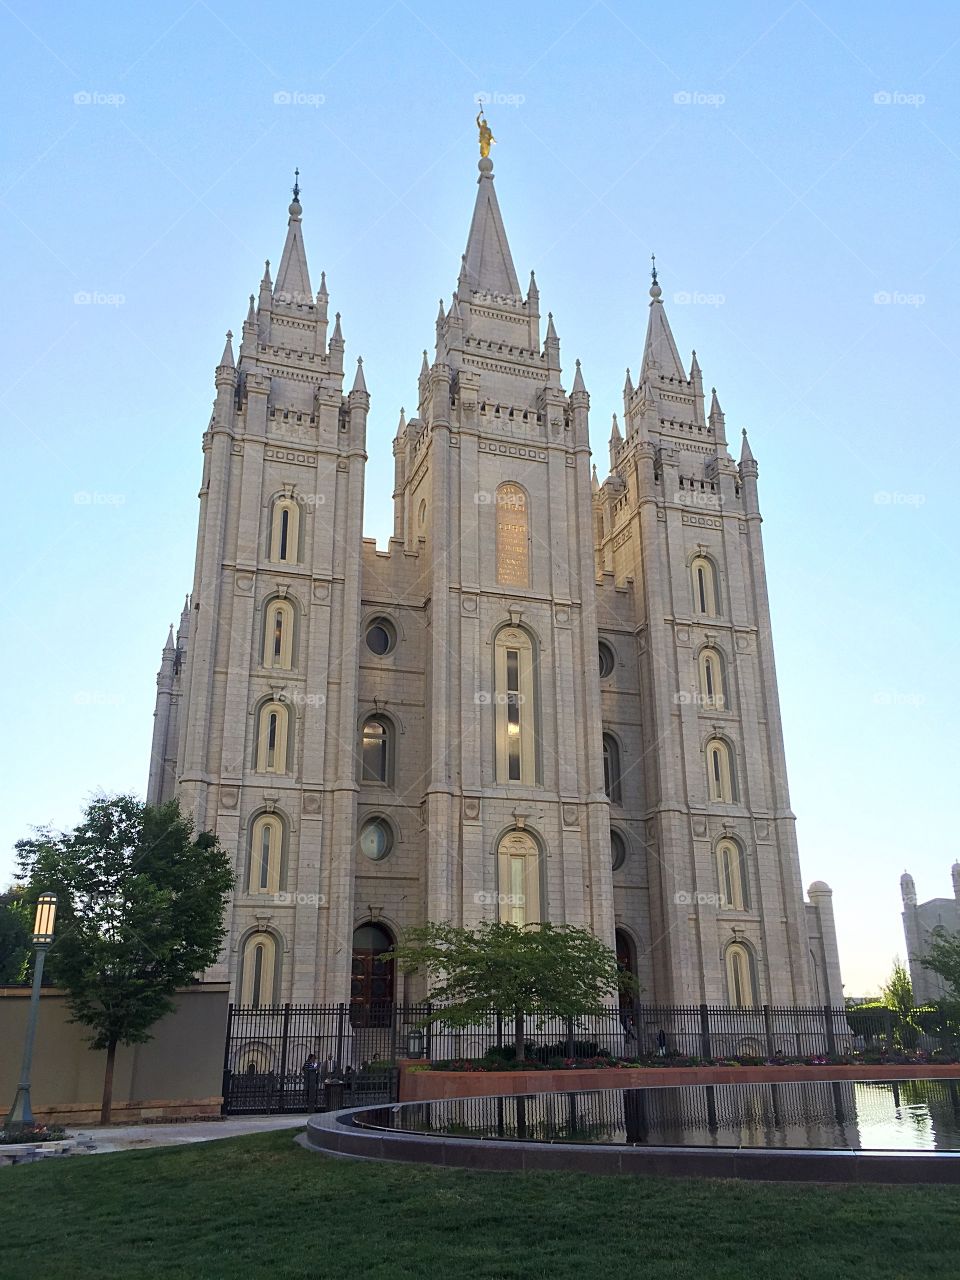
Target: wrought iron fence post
point(828, 1025)
point(768, 1030)
point(705, 1051)
point(394, 1018)
point(341, 1015)
point(429, 1045)
point(226, 1061)
point(888, 1028)
point(284, 1042)
point(570, 1053)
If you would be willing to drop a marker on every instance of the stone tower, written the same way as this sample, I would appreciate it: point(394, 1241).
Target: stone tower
point(919, 921)
point(545, 699)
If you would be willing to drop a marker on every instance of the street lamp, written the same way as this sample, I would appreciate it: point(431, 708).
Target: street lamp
point(21, 1114)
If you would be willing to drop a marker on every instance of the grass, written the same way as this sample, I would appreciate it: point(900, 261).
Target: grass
point(262, 1207)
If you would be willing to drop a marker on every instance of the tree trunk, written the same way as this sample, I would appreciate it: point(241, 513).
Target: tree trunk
point(518, 1034)
point(106, 1104)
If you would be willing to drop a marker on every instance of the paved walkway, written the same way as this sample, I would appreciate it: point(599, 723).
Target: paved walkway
point(139, 1136)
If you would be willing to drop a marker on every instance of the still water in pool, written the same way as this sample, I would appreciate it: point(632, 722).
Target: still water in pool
point(907, 1115)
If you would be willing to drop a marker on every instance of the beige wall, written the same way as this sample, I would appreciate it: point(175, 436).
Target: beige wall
point(181, 1067)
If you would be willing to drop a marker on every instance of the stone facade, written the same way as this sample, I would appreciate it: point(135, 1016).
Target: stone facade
point(568, 688)
point(919, 921)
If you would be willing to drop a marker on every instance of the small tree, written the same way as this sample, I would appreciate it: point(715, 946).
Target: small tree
point(898, 998)
point(140, 914)
point(540, 969)
point(943, 957)
point(14, 936)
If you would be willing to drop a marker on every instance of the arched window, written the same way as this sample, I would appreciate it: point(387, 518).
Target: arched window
point(272, 722)
point(377, 750)
point(278, 635)
point(514, 705)
point(259, 971)
point(721, 783)
point(372, 977)
point(266, 854)
point(513, 536)
point(732, 873)
point(741, 989)
point(618, 849)
point(518, 871)
point(285, 531)
point(704, 586)
point(611, 769)
point(712, 693)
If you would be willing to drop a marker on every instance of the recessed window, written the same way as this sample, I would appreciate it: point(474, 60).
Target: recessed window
point(376, 839)
point(618, 850)
point(376, 750)
point(381, 637)
point(515, 738)
point(611, 768)
point(605, 654)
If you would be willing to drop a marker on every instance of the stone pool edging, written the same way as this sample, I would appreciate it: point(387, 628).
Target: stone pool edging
point(438, 1086)
point(336, 1133)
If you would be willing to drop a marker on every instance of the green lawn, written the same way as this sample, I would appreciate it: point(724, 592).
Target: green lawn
point(263, 1207)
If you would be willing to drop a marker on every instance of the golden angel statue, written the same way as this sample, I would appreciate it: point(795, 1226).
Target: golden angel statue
point(486, 136)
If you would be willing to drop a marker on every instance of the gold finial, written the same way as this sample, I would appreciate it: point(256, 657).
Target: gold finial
point(486, 136)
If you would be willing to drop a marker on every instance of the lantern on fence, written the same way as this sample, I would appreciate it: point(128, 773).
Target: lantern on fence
point(415, 1043)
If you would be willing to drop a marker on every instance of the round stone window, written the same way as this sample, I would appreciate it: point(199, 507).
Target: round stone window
point(376, 838)
point(607, 660)
point(381, 636)
point(618, 850)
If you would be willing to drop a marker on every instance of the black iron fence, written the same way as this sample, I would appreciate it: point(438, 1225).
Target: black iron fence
point(299, 1057)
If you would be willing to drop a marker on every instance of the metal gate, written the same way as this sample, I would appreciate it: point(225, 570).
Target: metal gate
point(301, 1058)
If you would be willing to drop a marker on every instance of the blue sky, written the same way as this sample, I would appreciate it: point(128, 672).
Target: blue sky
point(795, 167)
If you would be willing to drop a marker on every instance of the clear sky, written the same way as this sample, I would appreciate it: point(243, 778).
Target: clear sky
point(795, 167)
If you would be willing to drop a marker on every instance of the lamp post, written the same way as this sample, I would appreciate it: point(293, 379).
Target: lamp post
point(21, 1113)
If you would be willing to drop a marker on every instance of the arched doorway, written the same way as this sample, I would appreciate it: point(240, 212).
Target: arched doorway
point(626, 963)
point(372, 977)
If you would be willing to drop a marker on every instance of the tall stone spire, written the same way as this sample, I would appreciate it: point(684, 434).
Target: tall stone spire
point(293, 278)
point(488, 264)
point(659, 350)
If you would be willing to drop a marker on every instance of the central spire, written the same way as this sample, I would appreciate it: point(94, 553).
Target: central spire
point(487, 262)
point(293, 278)
point(660, 352)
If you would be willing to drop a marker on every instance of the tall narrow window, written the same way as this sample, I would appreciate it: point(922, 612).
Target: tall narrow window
point(712, 692)
point(285, 531)
point(732, 874)
point(514, 707)
point(266, 854)
point(513, 536)
point(611, 768)
point(278, 635)
point(259, 971)
point(720, 777)
point(272, 738)
point(376, 750)
point(704, 586)
point(740, 984)
point(518, 869)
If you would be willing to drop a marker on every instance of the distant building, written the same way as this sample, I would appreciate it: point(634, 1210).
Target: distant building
point(919, 921)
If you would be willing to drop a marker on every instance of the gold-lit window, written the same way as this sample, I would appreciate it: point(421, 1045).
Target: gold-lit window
point(515, 711)
point(259, 971)
point(285, 531)
point(513, 536)
point(272, 724)
point(278, 635)
point(518, 870)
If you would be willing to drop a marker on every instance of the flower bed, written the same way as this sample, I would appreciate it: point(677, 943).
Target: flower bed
point(498, 1062)
point(32, 1133)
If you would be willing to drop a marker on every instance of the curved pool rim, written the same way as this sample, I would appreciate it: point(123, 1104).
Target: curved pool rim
point(339, 1133)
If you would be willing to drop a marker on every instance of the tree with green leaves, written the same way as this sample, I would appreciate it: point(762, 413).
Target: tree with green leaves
point(14, 936)
point(537, 970)
point(140, 913)
point(943, 957)
point(898, 998)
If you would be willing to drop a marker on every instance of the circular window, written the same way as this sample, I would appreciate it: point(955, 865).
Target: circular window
point(376, 838)
point(381, 636)
point(606, 660)
point(618, 850)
